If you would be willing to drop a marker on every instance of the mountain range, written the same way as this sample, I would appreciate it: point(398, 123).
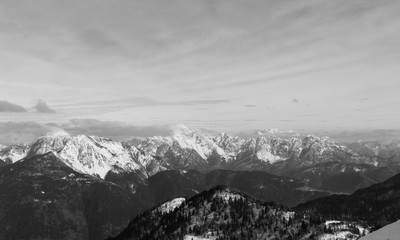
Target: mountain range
point(89, 187)
point(313, 160)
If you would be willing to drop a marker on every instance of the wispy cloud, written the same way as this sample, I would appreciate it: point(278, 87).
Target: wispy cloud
point(20, 132)
point(195, 102)
point(111, 129)
point(28, 132)
point(145, 102)
point(96, 39)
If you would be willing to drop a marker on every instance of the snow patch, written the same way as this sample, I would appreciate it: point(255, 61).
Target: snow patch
point(327, 223)
point(171, 205)
point(338, 236)
point(192, 237)
point(227, 195)
point(288, 215)
point(267, 156)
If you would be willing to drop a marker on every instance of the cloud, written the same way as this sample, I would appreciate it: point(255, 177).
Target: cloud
point(20, 132)
point(96, 39)
point(111, 129)
point(29, 132)
point(295, 100)
point(11, 107)
point(145, 102)
point(42, 107)
point(195, 102)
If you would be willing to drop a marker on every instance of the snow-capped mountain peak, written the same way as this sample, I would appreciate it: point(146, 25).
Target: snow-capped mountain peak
point(13, 153)
point(185, 149)
point(87, 154)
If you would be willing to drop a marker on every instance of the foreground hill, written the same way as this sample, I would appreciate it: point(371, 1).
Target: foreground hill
point(224, 213)
point(389, 232)
point(43, 198)
point(377, 205)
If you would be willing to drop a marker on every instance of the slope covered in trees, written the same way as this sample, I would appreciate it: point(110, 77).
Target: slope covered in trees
point(377, 205)
point(224, 213)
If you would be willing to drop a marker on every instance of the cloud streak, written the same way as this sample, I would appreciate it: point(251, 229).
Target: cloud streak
point(146, 102)
point(111, 129)
point(28, 132)
point(11, 107)
point(20, 132)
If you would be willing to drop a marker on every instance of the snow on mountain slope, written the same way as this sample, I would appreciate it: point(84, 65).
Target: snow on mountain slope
point(147, 160)
point(230, 144)
point(343, 230)
point(389, 232)
point(320, 145)
point(202, 143)
point(13, 153)
point(194, 149)
point(227, 195)
point(171, 205)
point(87, 154)
point(185, 149)
point(193, 237)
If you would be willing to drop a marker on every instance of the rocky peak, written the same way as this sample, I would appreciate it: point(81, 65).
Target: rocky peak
point(13, 153)
point(87, 154)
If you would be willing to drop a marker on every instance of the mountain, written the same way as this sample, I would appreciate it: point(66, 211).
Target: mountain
point(337, 177)
point(225, 213)
point(377, 205)
point(41, 197)
point(192, 149)
point(13, 153)
point(88, 187)
point(387, 152)
point(87, 154)
point(319, 162)
point(44, 187)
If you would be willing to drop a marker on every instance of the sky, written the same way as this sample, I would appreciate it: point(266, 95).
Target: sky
point(137, 67)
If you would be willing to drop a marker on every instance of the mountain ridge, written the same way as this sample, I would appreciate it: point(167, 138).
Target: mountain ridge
point(226, 213)
point(188, 149)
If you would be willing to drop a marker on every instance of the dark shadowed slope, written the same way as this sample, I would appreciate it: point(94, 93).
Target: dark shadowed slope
point(377, 205)
point(267, 187)
point(223, 213)
point(42, 198)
